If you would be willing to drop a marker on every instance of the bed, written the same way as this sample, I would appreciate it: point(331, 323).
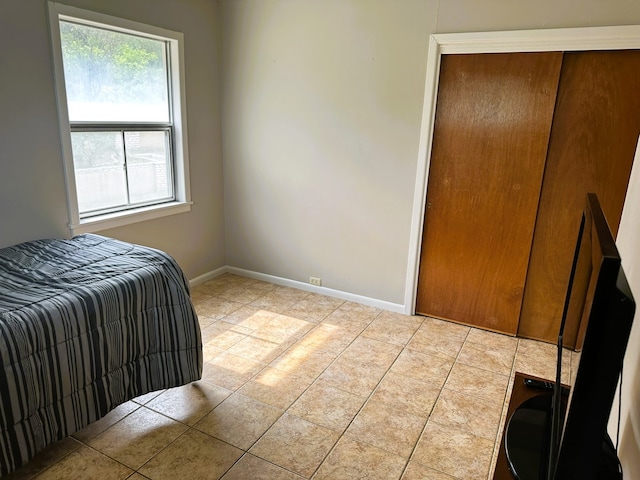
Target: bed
point(86, 324)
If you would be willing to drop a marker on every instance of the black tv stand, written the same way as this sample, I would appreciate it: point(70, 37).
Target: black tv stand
point(523, 453)
point(526, 438)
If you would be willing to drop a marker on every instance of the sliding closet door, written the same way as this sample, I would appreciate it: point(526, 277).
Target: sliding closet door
point(591, 149)
point(493, 119)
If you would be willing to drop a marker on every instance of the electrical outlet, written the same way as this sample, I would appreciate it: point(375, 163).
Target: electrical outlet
point(317, 281)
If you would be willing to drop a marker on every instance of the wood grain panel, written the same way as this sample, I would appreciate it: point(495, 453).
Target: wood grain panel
point(591, 149)
point(493, 118)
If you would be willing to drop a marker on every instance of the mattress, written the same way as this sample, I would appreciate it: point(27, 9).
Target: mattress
point(85, 325)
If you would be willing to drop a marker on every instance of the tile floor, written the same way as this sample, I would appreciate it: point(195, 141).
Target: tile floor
point(303, 386)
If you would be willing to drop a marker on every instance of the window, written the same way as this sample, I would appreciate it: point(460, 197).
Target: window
point(120, 96)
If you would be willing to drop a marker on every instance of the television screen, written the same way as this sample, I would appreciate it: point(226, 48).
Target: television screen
point(601, 290)
point(564, 436)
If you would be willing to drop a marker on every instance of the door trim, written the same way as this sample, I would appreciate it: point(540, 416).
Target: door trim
point(565, 39)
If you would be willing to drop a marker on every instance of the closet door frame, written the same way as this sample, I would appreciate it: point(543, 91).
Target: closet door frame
point(566, 39)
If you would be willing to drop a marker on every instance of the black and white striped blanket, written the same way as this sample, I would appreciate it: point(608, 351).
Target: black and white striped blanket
point(85, 325)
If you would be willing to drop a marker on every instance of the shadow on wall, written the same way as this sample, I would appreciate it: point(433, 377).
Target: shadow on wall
point(29, 220)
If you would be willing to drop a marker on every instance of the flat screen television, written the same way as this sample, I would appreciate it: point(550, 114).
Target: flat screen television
point(571, 427)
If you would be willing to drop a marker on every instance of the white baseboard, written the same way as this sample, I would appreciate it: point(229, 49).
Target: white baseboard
point(207, 276)
point(371, 302)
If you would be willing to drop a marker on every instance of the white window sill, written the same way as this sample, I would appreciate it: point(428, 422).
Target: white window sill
point(119, 219)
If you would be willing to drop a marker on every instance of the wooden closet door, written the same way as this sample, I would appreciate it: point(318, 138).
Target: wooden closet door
point(493, 118)
point(591, 149)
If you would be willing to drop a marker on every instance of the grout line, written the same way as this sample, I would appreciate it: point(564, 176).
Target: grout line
point(304, 391)
point(426, 423)
point(368, 398)
point(232, 282)
point(503, 414)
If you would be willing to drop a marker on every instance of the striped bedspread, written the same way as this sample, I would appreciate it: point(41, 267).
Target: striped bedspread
point(85, 325)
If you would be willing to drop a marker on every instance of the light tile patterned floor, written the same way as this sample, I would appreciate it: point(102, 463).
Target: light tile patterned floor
point(299, 385)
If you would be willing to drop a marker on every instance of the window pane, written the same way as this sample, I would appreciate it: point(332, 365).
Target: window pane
point(113, 76)
point(148, 166)
point(98, 159)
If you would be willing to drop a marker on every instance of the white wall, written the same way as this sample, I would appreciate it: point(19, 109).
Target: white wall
point(32, 190)
point(628, 243)
point(321, 106)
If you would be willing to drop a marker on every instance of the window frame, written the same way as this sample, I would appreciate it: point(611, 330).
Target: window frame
point(121, 129)
point(177, 104)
